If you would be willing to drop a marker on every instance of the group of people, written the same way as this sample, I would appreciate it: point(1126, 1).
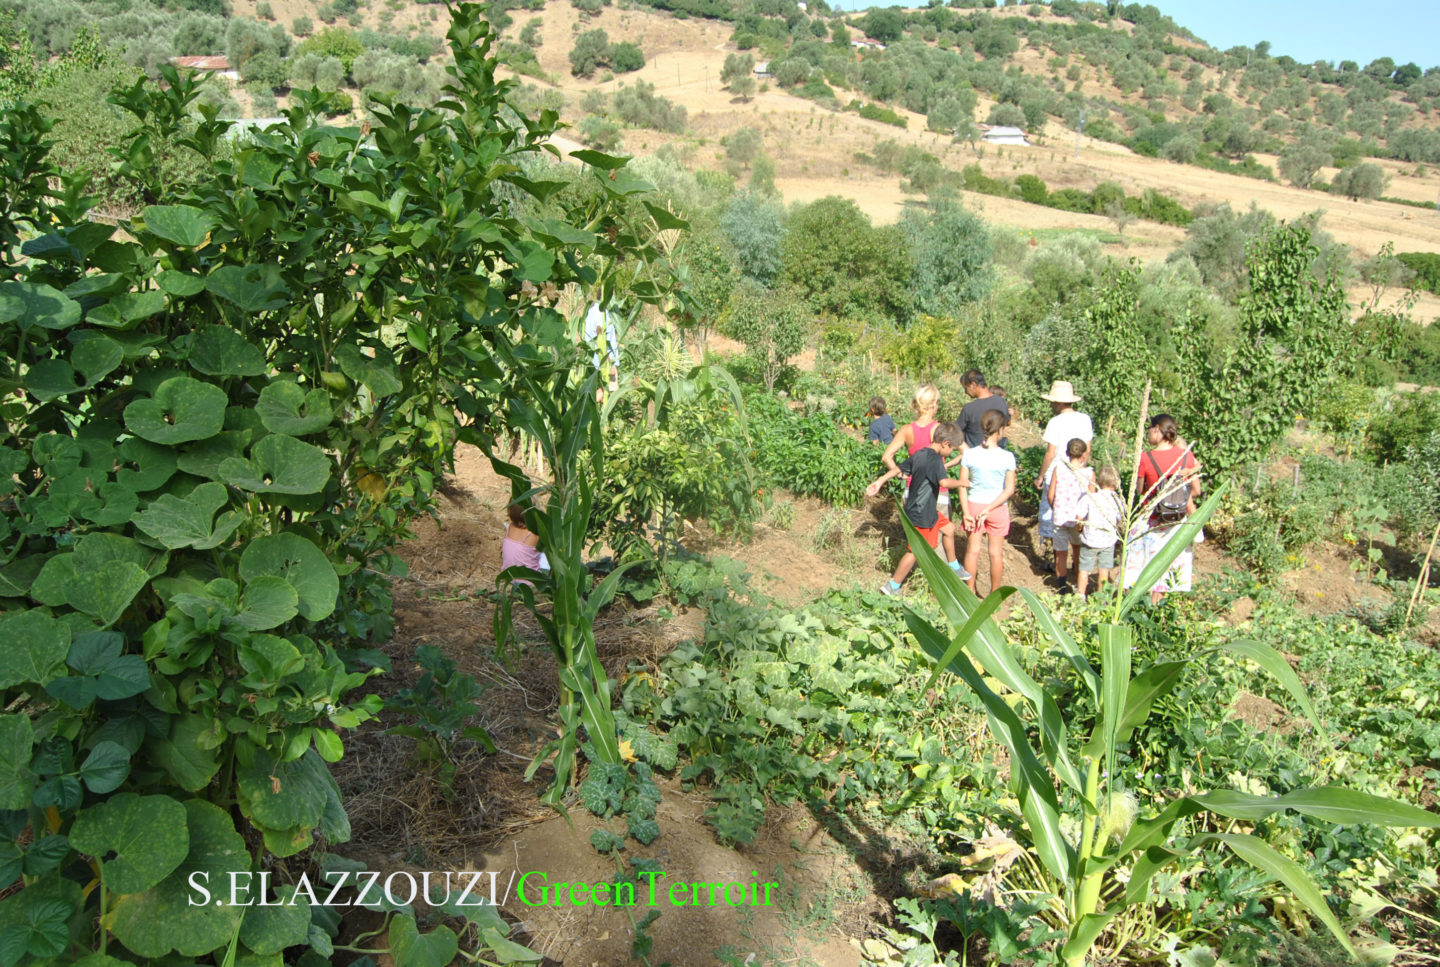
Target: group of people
point(1082, 512)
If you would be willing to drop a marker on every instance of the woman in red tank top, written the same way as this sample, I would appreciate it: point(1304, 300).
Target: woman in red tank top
point(915, 436)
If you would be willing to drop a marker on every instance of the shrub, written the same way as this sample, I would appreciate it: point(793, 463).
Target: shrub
point(263, 11)
point(1365, 180)
point(1426, 266)
point(875, 112)
point(591, 50)
point(1408, 422)
point(626, 57)
point(1009, 115)
point(302, 26)
point(640, 106)
point(598, 133)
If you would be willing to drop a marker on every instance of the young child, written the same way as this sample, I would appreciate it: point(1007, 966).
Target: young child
point(1070, 480)
point(882, 427)
point(926, 468)
point(1100, 514)
point(987, 480)
point(521, 546)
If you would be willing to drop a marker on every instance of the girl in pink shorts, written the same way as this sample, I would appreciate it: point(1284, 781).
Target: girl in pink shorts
point(987, 480)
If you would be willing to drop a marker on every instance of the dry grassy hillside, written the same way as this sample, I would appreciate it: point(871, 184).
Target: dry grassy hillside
point(815, 149)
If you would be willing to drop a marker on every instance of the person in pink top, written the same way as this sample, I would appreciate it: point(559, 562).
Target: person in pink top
point(521, 546)
point(917, 435)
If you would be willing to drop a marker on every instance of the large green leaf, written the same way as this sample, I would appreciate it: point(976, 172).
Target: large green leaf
point(1263, 856)
point(103, 671)
point(283, 795)
point(182, 409)
point(284, 407)
point(411, 948)
point(1033, 786)
point(279, 465)
point(987, 646)
point(1146, 688)
point(1274, 663)
point(221, 351)
point(36, 920)
point(17, 782)
point(145, 466)
point(273, 925)
point(106, 767)
point(1116, 646)
point(127, 309)
point(1179, 542)
point(33, 304)
point(34, 650)
point(90, 362)
point(180, 754)
point(190, 522)
point(254, 288)
point(167, 916)
point(269, 602)
point(377, 372)
point(105, 591)
point(299, 562)
point(183, 225)
point(139, 839)
point(1329, 804)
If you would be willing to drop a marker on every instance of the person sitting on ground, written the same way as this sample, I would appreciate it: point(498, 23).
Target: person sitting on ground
point(982, 401)
point(987, 481)
point(882, 427)
point(1100, 515)
point(521, 546)
point(1068, 483)
point(926, 468)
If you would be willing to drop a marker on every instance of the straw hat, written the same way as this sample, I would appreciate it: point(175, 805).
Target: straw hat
point(1060, 392)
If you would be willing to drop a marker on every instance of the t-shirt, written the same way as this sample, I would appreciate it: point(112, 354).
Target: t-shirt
point(1070, 485)
point(926, 469)
point(1171, 461)
point(1067, 426)
point(988, 467)
point(1101, 512)
point(974, 411)
point(882, 430)
point(594, 319)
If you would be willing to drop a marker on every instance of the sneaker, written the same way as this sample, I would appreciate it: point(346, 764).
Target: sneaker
point(888, 590)
point(960, 572)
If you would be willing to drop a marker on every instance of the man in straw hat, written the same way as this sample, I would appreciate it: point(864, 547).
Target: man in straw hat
point(1065, 425)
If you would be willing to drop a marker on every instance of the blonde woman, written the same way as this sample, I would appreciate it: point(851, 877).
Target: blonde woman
point(916, 436)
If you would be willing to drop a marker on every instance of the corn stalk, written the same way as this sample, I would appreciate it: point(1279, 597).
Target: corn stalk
point(1047, 781)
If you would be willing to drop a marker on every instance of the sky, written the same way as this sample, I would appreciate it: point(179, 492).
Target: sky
point(1333, 30)
point(1317, 29)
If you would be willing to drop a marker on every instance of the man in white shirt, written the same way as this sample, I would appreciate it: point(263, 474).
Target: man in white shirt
point(1065, 425)
point(599, 320)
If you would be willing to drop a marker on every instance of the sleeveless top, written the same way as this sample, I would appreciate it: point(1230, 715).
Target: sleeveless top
point(920, 439)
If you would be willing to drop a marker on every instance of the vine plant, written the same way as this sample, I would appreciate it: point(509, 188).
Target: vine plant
point(214, 428)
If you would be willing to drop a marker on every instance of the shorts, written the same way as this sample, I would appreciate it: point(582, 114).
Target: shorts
point(932, 534)
point(1097, 558)
point(1065, 535)
point(997, 522)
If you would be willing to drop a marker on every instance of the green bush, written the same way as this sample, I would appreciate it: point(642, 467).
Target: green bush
point(1032, 189)
point(1426, 266)
point(875, 112)
point(809, 455)
point(1407, 422)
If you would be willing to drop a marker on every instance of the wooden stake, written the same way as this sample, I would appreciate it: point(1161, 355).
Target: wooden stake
point(1422, 579)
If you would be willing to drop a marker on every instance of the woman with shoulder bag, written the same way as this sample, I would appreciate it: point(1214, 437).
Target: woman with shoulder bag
point(1168, 483)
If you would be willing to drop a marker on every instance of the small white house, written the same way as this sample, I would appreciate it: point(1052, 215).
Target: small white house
point(762, 69)
point(1001, 134)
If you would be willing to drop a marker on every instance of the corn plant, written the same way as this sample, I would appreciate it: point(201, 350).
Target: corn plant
point(1119, 851)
